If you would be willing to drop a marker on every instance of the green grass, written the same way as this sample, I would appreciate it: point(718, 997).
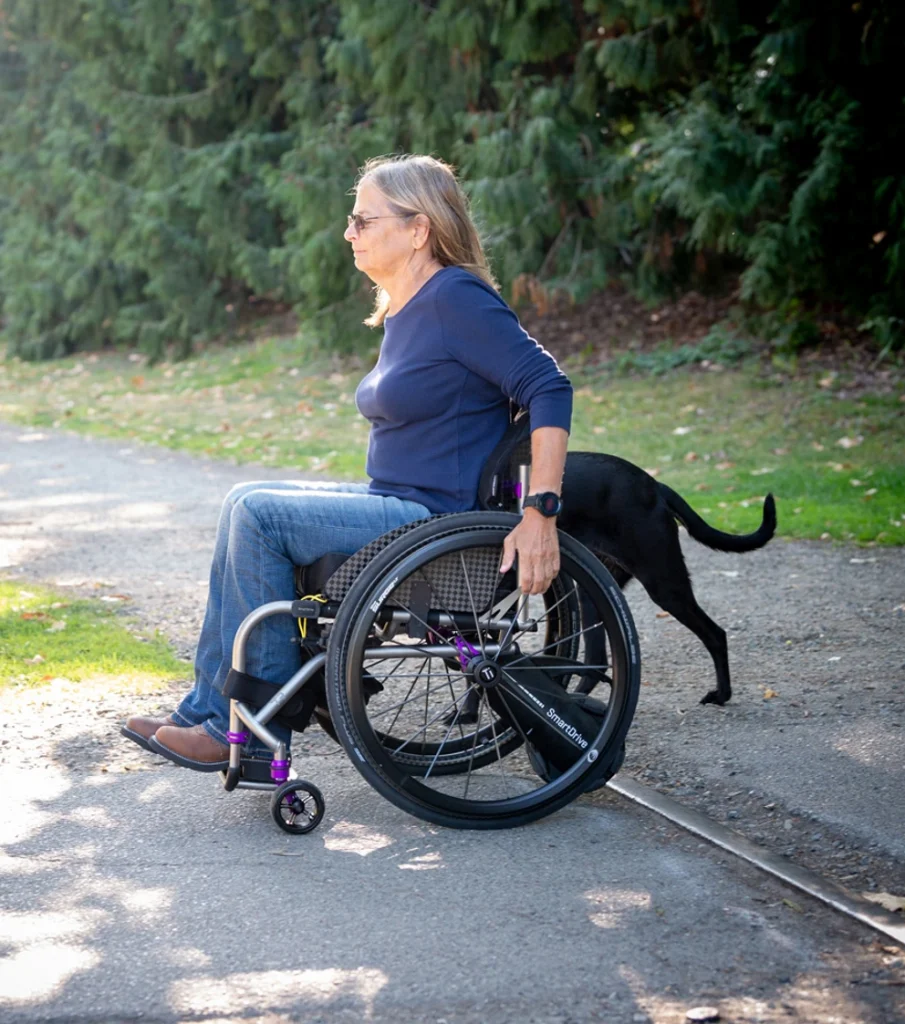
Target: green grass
point(46, 635)
point(723, 439)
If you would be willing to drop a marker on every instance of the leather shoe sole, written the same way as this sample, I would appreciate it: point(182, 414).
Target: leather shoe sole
point(183, 759)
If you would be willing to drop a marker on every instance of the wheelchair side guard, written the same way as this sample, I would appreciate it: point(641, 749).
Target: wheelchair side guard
point(256, 693)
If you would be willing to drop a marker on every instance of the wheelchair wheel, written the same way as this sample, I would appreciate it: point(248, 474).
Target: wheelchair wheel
point(467, 644)
point(297, 807)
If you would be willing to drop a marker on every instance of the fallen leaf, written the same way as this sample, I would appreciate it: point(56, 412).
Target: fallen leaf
point(652, 472)
point(870, 492)
point(679, 431)
point(780, 451)
point(856, 483)
point(886, 900)
point(34, 615)
point(702, 487)
point(827, 382)
point(687, 408)
point(794, 906)
point(770, 693)
point(599, 430)
point(136, 382)
point(817, 446)
point(663, 615)
point(691, 457)
point(849, 442)
point(762, 470)
point(36, 660)
point(56, 627)
point(724, 465)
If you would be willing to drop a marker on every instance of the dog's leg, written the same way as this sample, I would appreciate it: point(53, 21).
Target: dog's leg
point(677, 598)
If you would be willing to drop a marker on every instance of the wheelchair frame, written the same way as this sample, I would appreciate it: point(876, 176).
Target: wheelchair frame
point(503, 487)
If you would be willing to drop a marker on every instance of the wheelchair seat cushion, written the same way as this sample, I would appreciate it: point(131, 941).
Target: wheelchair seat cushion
point(312, 579)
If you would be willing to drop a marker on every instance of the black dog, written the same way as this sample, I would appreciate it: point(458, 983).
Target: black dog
point(628, 520)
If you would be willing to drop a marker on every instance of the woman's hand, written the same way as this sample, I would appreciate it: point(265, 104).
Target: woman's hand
point(536, 543)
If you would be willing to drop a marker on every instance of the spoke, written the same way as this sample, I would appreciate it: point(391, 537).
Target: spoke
point(514, 719)
point(474, 610)
point(452, 694)
point(539, 620)
point(499, 756)
point(560, 640)
point(442, 744)
point(474, 745)
point(575, 669)
point(426, 702)
point(404, 675)
point(396, 675)
point(522, 601)
point(399, 707)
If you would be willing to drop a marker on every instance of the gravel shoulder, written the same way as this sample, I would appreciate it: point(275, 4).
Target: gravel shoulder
point(135, 851)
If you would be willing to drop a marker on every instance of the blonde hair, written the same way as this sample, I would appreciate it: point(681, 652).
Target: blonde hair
point(423, 184)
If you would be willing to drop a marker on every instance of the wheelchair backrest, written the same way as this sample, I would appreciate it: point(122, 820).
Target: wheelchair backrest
point(504, 480)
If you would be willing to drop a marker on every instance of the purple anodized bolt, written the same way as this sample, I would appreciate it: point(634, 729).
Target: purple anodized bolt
point(237, 737)
point(465, 648)
point(279, 770)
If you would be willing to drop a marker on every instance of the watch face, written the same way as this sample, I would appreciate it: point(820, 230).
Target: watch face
point(550, 504)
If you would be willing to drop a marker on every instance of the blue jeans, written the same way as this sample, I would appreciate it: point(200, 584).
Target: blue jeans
point(266, 529)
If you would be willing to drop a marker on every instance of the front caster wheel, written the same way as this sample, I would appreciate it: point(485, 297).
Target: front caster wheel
point(297, 807)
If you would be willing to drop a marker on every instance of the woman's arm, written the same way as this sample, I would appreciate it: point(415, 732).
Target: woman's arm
point(535, 539)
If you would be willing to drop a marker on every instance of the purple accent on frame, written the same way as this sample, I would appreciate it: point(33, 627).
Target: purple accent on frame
point(518, 489)
point(237, 737)
point(465, 648)
point(279, 770)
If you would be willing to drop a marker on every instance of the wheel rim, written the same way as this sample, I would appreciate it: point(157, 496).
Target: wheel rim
point(504, 784)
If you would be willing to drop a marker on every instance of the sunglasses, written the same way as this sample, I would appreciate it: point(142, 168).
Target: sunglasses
point(360, 223)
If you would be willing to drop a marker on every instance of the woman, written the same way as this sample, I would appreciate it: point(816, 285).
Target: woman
point(452, 357)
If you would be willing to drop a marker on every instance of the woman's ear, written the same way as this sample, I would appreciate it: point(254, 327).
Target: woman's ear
point(421, 234)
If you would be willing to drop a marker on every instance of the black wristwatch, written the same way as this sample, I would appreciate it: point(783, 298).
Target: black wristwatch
point(548, 503)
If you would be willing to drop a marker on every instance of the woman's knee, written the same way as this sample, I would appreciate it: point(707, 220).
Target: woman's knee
point(237, 492)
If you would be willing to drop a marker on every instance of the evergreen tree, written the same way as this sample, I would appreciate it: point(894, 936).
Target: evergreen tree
point(161, 160)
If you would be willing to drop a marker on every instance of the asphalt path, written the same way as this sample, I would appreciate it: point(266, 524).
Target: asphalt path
point(134, 890)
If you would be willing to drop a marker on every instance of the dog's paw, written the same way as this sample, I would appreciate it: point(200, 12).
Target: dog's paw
point(715, 697)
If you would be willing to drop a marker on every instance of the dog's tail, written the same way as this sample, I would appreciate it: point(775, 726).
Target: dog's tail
point(704, 533)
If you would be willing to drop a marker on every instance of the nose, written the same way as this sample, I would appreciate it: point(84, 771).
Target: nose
point(350, 233)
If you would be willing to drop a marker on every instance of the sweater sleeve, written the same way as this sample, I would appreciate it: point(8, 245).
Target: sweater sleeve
point(480, 331)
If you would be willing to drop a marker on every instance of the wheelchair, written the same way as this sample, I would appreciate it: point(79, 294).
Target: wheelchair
point(462, 701)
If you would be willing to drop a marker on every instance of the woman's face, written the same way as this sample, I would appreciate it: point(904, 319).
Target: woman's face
point(383, 245)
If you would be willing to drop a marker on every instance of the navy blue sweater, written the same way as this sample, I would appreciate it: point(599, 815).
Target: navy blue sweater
point(438, 398)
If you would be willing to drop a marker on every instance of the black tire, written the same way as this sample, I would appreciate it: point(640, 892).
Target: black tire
point(603, 611)
point(297, 807)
